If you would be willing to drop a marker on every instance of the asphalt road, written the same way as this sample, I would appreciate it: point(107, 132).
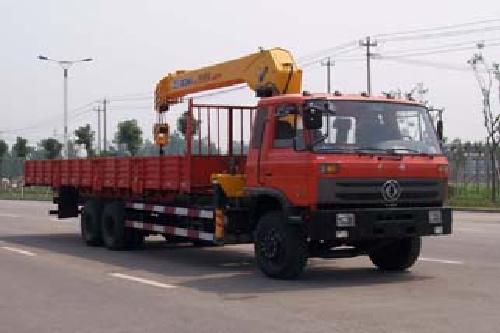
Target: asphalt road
point(51, 282)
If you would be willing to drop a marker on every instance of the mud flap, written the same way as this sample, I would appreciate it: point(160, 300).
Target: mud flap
point(67, 202)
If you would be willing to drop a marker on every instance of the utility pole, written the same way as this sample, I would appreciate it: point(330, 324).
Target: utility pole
point(368, 43)
point(66, 143)
point(328, 63)
point(104, 104)
point(421, 91)
point(98, 109)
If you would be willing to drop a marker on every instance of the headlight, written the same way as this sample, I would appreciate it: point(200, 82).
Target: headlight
point(345, 220)
point(435, 217)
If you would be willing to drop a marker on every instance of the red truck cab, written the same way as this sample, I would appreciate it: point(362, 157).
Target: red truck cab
point(356, 171)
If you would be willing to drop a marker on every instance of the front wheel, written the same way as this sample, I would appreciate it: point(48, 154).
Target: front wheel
point(396, 255)
point(280, 248)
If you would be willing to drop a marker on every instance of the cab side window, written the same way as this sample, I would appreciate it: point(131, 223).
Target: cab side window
point(288, 125)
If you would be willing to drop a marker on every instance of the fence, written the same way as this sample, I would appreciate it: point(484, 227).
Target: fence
point(471, 172)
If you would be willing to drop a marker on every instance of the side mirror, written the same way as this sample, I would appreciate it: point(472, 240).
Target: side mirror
point(439, 130)
point(313, 118)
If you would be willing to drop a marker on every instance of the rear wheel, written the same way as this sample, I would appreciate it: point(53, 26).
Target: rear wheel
point(397, 255)
point(90, 222)
point(114, 232)
point(280, 248)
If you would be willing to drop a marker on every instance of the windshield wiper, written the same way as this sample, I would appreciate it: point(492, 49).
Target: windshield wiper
point(388, 150)
point(371, 149)
point(394, 150)
point(332, 148)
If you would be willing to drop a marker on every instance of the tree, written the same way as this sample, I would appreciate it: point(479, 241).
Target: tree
point(182, 124)
point(3, 150)
point(85, 136)
point(148, 148)
point(176, 144)
point(130, 135)
point(20, 148)
point(484, 76)
point(52, 148)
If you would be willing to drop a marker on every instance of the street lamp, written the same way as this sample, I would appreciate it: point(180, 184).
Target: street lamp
point(65, 65)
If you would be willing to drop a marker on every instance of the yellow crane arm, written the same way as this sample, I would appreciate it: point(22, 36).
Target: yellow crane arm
point(267, 72)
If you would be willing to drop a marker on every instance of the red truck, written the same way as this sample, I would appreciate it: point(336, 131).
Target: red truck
point(300, 175)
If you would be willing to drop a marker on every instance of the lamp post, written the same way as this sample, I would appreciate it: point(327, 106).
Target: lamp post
point(65, 65)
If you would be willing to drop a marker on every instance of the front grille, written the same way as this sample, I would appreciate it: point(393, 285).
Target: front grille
point(369, 192)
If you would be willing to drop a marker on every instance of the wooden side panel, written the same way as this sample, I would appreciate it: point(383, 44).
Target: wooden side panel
point(38, 171)
point(86, 173)
point(46, 168)
point(97, 174)
point(109, 172)
point(152, 173)
point(75, 172)
point(124, 172)
point(170, 172)
point(56, 172)
point(65, 172)
point(137, 176)
point(132, 175)
point(29, 172)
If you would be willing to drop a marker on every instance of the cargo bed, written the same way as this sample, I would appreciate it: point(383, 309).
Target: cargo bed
point(132, 176)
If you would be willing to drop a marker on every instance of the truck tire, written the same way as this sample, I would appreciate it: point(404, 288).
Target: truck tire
point(398, 255)
point(114, 233)
point(90, 222)
point(280, 248)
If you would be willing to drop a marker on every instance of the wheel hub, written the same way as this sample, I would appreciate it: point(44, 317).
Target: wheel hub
point(270, 244)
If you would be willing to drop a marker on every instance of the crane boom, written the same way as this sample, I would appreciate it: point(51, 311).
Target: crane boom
point(267, 72)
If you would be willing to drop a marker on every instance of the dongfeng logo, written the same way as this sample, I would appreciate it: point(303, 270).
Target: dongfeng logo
point(391, 191)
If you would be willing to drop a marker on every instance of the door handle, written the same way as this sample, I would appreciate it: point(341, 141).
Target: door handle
point(268, 174)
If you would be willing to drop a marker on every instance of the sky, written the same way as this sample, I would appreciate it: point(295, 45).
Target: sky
point(135, 43)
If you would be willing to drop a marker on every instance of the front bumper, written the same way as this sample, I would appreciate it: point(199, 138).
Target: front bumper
point(373, 223)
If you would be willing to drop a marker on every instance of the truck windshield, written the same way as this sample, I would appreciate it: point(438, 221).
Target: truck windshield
point(376, 127)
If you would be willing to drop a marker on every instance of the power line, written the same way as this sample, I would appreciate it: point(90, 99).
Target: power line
point(447, 45)
point(144, 93)
point(318, 59)
point(444, 34)
point(127, 108)
point(424, 63)
point(321, 53)
point(127, 99)
point(443, 27)
point(424, 52)
point(318, 56)
point(220, 92)
point(86, 108)
point(438, 51)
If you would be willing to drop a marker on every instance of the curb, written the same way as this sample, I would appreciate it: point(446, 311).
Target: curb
point(475, 210)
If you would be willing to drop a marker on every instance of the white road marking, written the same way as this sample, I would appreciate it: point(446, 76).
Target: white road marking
point(9, 215)
point(442, 261)
point(144, 281)
point(14, 249)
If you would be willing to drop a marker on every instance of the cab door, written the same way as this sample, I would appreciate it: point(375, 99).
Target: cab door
point(284, 161)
